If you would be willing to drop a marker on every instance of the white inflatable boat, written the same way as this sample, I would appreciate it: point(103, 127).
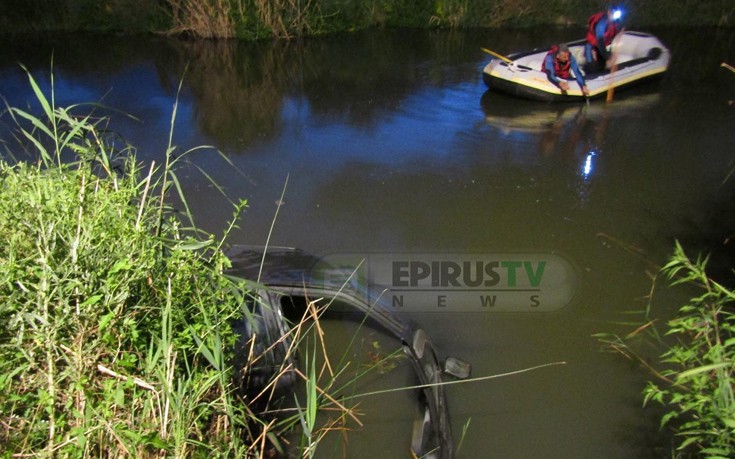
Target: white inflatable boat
point(640, 57)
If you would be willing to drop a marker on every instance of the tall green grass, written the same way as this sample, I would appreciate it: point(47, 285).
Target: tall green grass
point(694, 378)
point(114, 310)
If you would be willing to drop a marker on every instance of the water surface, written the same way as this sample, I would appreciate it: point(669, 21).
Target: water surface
point(388, 142)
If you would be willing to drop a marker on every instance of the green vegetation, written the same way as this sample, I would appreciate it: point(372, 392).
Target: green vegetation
point(700, 399)
point(113, 313)
point(694, 378)
point(255, 19)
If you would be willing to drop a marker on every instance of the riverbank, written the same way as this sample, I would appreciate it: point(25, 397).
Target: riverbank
point(259, 19)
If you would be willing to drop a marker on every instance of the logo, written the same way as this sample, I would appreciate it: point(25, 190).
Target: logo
point(453, 282)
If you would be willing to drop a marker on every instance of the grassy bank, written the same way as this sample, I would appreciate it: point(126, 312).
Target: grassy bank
point(114, 311)
point(255, 19)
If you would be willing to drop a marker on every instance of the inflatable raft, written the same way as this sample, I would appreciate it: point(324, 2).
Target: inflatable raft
point(640, 57)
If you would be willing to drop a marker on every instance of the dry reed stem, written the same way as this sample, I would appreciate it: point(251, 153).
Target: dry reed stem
point(312, 311)
point(202, 19)
point(344, 409)
point(137, 381)
point(271, 385)
point(145, 194)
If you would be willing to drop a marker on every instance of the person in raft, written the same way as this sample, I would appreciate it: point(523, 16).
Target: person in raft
point(602, 28)
point(559, 64)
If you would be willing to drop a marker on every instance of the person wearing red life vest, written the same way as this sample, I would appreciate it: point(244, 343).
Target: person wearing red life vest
point(559, 65)
point(602, 28)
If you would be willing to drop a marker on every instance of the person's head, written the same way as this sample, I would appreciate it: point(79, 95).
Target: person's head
point(615, 14)
point(562, 52)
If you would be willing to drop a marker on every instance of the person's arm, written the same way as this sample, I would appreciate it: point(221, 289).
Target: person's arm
point(549, 69)
point(600, 29)
point(577, 74)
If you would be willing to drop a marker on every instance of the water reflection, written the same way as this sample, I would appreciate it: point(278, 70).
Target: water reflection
point(512, 117)
point(246, 94)
point(238, 89)
point(574, 133)
point(587, 168)
point(241, 94)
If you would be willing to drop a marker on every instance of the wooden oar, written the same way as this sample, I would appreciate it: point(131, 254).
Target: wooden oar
point(611, 86)
point(499, 56)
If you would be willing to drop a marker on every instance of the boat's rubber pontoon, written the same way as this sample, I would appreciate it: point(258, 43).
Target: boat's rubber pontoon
point(640, 57)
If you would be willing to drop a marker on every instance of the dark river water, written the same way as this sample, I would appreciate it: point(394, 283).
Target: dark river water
point(387, 142)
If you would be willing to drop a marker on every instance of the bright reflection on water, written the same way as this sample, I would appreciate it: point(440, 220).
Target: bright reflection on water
point(587, 168)
point(391, 143)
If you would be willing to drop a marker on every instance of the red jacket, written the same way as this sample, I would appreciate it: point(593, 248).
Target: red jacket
point(611, 30)
point(560, 70)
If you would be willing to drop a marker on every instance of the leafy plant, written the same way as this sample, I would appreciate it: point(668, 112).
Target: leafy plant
point(114, 310)
point(693, 380)
point(700, 401)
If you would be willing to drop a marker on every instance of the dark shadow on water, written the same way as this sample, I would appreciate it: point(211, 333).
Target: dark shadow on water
point(711, 233)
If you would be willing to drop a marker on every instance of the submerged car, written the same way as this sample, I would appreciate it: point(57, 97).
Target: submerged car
point(285, 278)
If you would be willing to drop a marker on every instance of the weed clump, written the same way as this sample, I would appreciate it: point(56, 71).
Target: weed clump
point(114, 309)
point(694, 379)
point(700, 400)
